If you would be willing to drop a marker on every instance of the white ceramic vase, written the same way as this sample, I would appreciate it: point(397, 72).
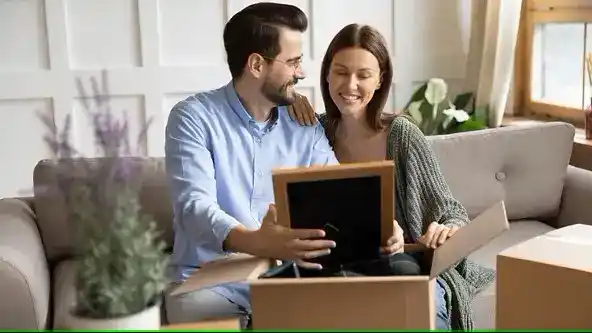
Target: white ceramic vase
point(148, 319)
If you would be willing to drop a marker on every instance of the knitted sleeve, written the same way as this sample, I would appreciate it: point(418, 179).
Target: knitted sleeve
point(427, 197)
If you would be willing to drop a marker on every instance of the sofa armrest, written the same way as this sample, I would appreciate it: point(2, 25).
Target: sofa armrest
point(576, 201)
point(24, 273)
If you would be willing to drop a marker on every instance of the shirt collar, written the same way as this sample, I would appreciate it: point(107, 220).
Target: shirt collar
point(239, 109)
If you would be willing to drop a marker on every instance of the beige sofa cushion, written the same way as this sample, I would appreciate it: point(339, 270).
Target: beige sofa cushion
point(50, 208)
point(523, 165)
point(520, 231)
point(64, 293)
point(24, 276)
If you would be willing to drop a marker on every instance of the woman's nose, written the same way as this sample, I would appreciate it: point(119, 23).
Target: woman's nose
point(352, 82)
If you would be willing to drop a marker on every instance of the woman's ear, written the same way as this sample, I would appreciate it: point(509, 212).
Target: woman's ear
point(379, 81)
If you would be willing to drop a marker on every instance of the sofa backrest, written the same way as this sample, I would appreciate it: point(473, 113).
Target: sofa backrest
point(523, 165)
point(50, 208)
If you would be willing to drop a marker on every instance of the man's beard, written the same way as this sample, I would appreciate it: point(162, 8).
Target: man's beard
point(279, 95)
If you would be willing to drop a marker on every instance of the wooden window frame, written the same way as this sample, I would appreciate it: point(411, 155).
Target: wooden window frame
point(542, 11)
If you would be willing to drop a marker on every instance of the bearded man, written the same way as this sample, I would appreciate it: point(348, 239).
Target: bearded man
point(221, 146)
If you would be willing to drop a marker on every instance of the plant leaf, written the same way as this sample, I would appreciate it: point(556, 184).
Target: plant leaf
point(461, 102)
point(415, 113)
point(470, 125)
point(426, 113)
point(418, 95)
point(436, 91)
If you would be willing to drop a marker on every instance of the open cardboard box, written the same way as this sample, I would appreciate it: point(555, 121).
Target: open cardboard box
point(397, 302)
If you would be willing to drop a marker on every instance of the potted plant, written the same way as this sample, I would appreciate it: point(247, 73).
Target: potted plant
point(434, 113)
point(120, 262)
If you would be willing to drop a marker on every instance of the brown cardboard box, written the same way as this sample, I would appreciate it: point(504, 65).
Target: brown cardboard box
point(546, 282)
point(398, 302)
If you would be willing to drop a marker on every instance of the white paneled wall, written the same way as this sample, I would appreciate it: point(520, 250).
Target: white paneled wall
point(157, 52)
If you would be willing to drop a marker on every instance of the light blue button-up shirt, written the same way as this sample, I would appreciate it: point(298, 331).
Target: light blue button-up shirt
point(219, 162)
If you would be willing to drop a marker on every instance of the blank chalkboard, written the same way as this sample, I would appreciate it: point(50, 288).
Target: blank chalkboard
point(349, 209)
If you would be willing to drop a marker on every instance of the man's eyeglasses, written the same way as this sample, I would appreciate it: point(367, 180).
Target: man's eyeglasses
point(292, 63)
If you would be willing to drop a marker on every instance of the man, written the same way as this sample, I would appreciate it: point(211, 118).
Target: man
point(220, 148)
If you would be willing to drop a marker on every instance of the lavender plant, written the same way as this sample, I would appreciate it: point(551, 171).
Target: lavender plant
point(121, 266)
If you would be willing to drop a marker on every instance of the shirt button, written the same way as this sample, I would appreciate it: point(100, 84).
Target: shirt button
point(258, 140)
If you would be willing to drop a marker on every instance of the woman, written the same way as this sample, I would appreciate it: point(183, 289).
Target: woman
point(356, 76)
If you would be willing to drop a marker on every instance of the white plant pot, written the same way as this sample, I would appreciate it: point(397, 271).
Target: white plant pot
point(148, 319)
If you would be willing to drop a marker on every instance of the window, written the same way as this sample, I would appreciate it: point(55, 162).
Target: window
point(558, 38)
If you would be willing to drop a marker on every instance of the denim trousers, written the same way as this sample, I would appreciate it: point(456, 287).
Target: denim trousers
point(442, 320)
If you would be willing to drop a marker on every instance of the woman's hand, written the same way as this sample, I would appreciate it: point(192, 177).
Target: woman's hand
point(302, 112)
point(396, 242)
point(437, 234)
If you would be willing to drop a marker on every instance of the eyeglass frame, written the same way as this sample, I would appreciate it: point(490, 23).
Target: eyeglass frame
point(294, 65)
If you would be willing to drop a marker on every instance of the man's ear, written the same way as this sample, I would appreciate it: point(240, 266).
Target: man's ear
point(256, 65)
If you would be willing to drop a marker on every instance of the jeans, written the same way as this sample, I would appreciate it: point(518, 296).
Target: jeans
point(203, 304)
point(442, 320)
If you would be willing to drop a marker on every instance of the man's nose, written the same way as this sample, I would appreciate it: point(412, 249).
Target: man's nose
point(300, 74)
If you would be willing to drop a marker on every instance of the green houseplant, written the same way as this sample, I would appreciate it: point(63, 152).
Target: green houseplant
point(120, 262)
point(434, 113)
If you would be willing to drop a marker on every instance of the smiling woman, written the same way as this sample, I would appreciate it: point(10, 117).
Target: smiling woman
point(356, 76)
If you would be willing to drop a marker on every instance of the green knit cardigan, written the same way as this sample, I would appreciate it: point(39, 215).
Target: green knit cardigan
point(423, 196)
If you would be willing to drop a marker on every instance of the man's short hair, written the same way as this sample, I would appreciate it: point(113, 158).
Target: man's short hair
point(254, 29)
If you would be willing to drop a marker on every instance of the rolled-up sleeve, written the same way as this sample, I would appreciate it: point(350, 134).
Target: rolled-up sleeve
point(191, 177)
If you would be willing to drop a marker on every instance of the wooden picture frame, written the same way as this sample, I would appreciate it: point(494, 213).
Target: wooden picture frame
point(352, 188)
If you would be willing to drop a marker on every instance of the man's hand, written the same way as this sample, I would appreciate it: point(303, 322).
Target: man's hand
point(396, 242)
point(302, 112)
point(278, 242)
point(437, 234)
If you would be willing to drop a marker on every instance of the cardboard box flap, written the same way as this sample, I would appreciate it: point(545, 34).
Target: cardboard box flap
point(480, 231)
point(243, 267)
point(233, 268)
point(575, 233)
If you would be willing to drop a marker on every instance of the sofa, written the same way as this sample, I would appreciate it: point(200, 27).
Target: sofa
point(526, 166)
